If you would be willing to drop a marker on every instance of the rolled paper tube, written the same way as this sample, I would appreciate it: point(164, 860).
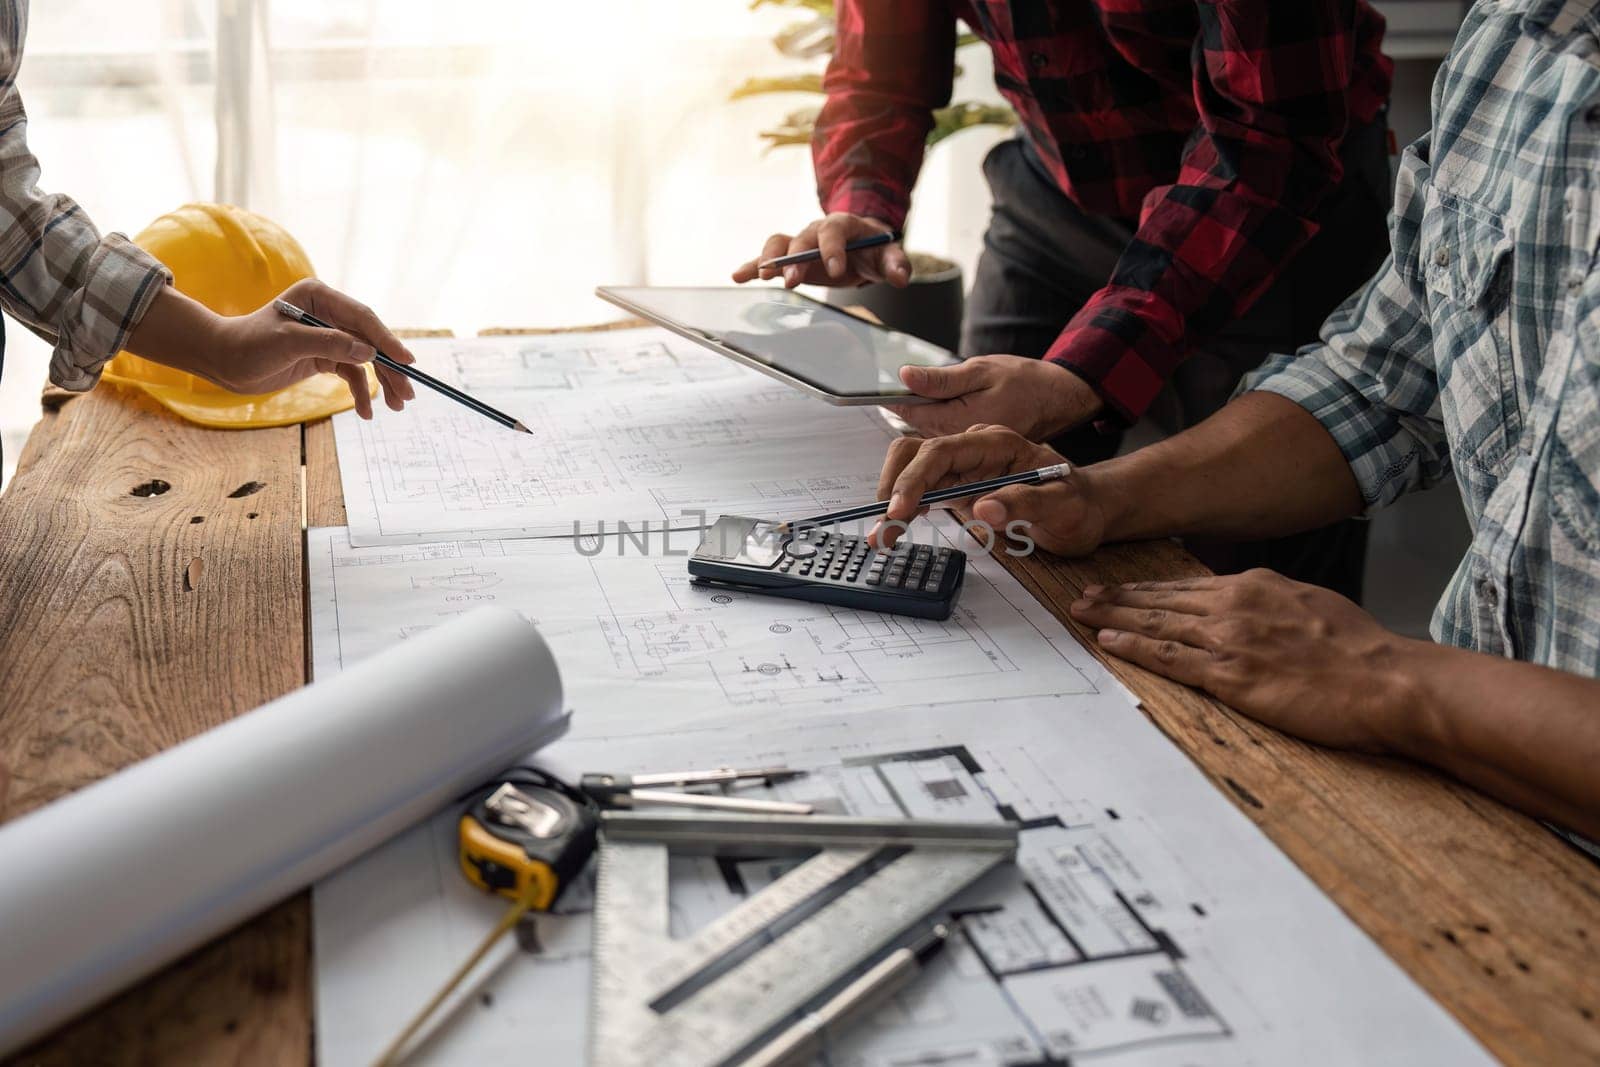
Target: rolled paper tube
point(123, 876)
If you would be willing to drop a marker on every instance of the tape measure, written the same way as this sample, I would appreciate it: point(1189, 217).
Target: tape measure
point(527, 837)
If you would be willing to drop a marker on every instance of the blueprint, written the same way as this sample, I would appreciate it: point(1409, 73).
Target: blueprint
point(640, 647)
point(634, 426)
point(1146, 921)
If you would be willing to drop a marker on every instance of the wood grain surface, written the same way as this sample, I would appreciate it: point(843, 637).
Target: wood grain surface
point(150, 588)
point(1486, 910)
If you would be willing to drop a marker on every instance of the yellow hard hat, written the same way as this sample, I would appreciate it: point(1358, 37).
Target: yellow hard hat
point(233, 261)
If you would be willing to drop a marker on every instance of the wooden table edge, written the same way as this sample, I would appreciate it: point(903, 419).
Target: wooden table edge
point(1201, 728)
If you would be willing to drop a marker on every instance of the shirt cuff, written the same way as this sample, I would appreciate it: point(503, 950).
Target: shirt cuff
point(869, 199)
point(1110, 348)
point(1389, 453)
point(120, 283)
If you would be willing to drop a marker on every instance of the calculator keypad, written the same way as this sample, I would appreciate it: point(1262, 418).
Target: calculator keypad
point(832, 557)
point(827, 567)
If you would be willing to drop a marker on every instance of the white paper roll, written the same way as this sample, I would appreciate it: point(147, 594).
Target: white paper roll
point(107, 884)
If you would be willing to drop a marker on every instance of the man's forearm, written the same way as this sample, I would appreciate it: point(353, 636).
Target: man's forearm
point(1261, 467)
point(1527, 734)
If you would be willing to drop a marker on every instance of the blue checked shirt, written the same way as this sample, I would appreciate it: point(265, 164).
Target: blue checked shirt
point(1476, 348)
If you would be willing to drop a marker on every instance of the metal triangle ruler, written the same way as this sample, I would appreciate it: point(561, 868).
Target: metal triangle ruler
point(713, 998)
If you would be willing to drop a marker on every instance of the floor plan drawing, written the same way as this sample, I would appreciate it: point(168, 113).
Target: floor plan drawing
point(634, 631)
point(666, 441)
point(577, 361)
point(1142, 924)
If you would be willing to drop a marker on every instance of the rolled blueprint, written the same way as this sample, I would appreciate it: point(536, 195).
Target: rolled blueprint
point(127, 874)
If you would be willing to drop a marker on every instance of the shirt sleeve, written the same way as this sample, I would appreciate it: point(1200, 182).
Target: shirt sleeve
point(1372, 381)
point(58, 276)
point(893, 64)
point(1272, 83)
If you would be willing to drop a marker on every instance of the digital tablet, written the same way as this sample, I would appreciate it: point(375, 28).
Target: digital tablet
point(814, 347)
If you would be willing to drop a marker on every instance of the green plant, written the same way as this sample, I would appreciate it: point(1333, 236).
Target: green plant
point(813, 38)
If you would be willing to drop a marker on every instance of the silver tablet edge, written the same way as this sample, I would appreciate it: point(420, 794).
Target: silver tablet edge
point(689, 334)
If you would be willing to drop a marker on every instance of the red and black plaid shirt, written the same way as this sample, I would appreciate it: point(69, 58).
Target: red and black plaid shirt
point(1216, 125)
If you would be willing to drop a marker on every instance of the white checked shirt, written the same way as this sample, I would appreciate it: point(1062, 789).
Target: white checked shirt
point(1476, 348)
point(58, 276)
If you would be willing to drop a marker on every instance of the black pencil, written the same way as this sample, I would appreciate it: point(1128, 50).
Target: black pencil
point(1054, 472)
point(813, 254)
point(305, 318)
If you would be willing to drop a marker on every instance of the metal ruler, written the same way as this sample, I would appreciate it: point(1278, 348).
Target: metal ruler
point(715, 997)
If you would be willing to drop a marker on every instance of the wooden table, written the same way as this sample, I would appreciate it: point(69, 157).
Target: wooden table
point(152, 585)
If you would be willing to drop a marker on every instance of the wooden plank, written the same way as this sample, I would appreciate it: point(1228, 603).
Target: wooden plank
point(1486, 910)
point(150, 588)
point(1490, 913)
point(324, 486)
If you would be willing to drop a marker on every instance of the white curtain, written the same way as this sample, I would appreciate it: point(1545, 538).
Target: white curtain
point(489, 162)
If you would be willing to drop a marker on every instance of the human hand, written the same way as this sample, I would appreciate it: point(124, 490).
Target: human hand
point(1297, 657)
point(1065, 516)
point(264, 351)
point(882, 263)
point(1036, 398)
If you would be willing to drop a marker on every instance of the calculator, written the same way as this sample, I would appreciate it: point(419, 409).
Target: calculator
point(758, 556)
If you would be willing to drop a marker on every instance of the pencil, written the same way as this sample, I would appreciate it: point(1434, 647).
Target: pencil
point(305, 318)
point(816, 253)
point(1052, 473)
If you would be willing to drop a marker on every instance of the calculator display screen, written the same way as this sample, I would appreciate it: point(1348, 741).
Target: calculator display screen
point(752, 542)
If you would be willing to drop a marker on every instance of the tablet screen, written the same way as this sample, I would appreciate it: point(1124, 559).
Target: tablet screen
point(806, 339)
